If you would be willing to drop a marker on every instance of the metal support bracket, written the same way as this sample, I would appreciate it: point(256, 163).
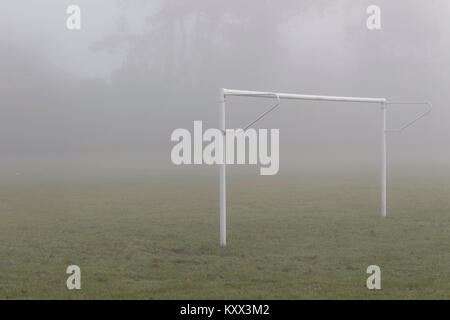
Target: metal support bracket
point(266, 112)
point(410, 123)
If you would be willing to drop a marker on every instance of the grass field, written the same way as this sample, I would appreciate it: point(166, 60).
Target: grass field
point(157, 239)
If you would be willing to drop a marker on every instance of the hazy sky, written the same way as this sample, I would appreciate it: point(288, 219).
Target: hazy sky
point(139, 69)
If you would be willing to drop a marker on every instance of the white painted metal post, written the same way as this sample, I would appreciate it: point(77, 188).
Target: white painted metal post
point(383, 161)
point(223, 183)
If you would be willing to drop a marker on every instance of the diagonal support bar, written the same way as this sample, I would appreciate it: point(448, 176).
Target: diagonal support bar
point(264, 113)
point(410, 123)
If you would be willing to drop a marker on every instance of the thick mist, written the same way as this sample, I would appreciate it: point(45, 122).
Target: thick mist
point(108, 96)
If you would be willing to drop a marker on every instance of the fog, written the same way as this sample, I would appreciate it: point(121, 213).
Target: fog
point(109, 95)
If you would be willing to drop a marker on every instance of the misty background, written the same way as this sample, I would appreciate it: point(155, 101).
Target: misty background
point(107, 97)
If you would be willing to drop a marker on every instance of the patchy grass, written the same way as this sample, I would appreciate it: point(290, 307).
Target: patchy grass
point(289, 240)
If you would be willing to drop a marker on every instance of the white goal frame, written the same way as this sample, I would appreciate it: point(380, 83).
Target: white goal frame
point(382, 102)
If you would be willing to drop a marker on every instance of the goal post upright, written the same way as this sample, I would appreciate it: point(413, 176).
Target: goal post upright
point(383, 160)
point(224, 93)
point(222, 178)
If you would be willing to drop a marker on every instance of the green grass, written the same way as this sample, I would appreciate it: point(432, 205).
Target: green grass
point(286, 240)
